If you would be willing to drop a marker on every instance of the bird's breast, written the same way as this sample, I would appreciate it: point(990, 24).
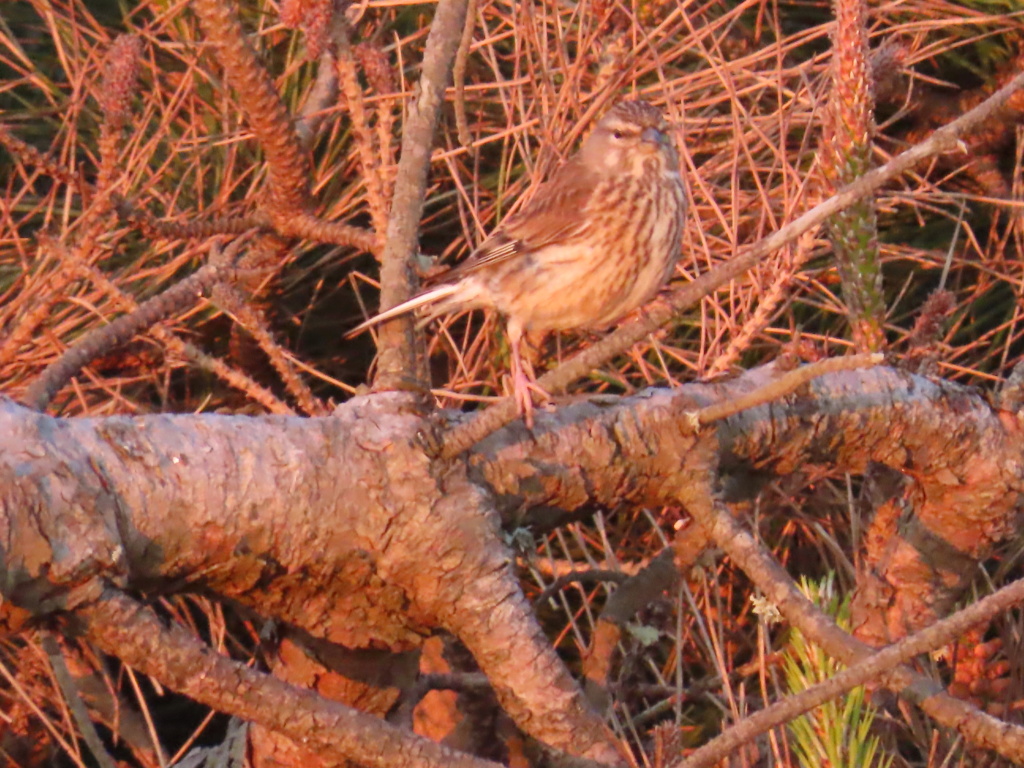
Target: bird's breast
point(620, 255)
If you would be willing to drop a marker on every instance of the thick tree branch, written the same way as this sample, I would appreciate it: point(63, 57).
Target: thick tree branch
point(241, 504)
point(962, 455)
point(408, 543)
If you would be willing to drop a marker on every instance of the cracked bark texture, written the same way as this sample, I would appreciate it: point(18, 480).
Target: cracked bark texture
point(351, 530)
point(960, 455)
point(343, 527)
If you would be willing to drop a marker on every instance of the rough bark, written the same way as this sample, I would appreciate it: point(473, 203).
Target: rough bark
point(352, 530)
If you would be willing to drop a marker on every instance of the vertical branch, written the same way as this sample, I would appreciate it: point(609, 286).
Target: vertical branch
point(459, 75)
point(397, 341)
point(845, 156)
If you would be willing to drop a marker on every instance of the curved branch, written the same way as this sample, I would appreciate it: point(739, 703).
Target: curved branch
point(962, 455)
point(128, 630)
point(340, 526)
point(102, 340)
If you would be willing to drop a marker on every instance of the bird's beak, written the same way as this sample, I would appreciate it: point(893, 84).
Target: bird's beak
point(653, 136)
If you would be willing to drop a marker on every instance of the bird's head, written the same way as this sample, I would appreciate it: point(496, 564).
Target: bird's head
point(629, 137)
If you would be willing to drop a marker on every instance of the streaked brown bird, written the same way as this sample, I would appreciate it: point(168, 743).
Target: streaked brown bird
point(594, 243)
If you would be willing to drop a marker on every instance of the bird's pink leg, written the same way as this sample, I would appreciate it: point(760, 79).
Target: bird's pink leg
point(524, 383)
point(520, 382)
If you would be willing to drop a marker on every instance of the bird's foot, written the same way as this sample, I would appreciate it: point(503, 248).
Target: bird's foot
point(523, 390)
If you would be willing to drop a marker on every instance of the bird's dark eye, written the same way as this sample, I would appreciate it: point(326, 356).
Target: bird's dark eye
point(617, 134)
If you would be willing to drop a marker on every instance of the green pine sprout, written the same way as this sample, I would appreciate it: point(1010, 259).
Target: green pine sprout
point(837, 734)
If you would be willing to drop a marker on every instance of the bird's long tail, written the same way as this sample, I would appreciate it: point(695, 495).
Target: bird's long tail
point(422, 300)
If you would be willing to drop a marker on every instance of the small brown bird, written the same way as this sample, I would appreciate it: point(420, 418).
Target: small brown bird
point(594, 243)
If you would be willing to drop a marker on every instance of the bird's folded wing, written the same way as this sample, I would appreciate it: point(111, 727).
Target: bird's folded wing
point(555, 214)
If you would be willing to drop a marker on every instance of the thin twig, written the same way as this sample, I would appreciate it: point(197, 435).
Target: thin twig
point(230, 376)
point(199, 229)
point(288, 168)
point(844, 154)
point(302, 224)
point(252, 320)
point(74, 701)
point(784, 385)
point(321, 96)
point(313, 228)
point(30, 156)
point(590, 576)
point(46, 290)
point(364, 137)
